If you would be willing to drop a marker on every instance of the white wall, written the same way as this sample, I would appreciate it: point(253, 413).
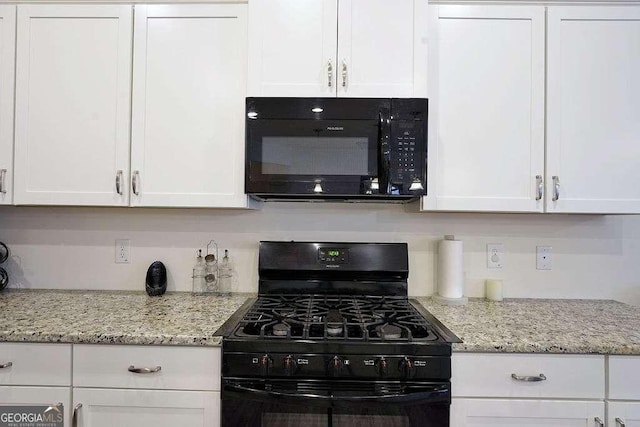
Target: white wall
point(594, 256)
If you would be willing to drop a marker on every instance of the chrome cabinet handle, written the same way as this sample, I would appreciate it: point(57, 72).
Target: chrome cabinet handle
point(344, 73)
point(599, 421)
point(620, 422)
point(6, 365)
point(119, 182)
point(3, 175)
point(528, 378)
point(74, 417)
point(144, 370)
point(330, 73)
point(539, 186)
point(556, 188)
point(134, 183)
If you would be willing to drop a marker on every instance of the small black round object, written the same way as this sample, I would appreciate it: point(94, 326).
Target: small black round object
point(156, 282)
point(4, 279)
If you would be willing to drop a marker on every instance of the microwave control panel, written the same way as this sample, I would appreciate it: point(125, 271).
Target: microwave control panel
point(407, 151)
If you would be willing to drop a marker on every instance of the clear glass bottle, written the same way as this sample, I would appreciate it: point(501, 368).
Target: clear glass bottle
point(225, 275)
point(199, 282)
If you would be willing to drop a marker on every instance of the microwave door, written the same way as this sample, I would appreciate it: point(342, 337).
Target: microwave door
point(313, 157)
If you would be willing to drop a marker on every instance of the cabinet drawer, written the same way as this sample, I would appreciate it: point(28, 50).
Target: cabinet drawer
point(35, 364)
point(624, 377)
point(490, 375)
point(182, 368)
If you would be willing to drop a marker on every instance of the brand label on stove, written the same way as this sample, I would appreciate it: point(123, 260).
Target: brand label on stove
point(303, 361)
point(420, 363)
point(369, 362)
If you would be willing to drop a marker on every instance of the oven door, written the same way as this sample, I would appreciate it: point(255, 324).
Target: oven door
point(304, 157)
point(321, 403)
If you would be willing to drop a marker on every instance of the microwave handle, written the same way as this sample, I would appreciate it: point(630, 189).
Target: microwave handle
point(384, 152)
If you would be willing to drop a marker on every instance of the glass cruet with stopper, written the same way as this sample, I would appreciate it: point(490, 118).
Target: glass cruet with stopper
point(199, 271)
point(225, 275)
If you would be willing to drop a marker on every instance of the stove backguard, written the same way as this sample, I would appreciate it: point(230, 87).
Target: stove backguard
point(346, 268)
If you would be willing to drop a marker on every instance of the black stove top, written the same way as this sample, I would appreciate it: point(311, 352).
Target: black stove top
point(335, 318)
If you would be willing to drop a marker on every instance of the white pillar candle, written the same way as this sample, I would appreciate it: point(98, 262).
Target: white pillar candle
point(493, 289)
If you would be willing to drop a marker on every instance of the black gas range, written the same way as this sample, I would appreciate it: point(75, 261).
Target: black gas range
point(333, 340)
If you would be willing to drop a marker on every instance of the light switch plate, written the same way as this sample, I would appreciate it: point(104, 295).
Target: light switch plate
point(495, 255)
point(544, 258)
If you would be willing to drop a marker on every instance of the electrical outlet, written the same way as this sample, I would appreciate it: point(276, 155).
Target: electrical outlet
point(123, 251)
point(544, 258)
point(495, 255)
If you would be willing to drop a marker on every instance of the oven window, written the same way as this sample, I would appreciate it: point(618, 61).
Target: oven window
point(319, 156)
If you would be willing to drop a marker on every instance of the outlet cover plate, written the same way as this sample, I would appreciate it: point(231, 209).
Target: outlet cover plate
point(544, 258)
point(495, 255)
point(123, 251)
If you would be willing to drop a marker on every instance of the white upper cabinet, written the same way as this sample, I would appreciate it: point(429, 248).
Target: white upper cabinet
point(292, 47)
point(350, 48)
point(486, 85)
point(7, 66)
point(73, 83)
point(593, 109)
point(189, 87)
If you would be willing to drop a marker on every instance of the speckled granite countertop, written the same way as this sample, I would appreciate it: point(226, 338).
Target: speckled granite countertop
point(514, 325)
point(542, 325)
point(101, 317)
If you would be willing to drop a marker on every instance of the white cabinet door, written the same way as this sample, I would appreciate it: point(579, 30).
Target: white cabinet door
point(486, 136)
point(292, 48)
point(7, 66)
point(382, 48)
point(146, 408)
point(73, 83)
point(188, 106)
point(593, 109)
point(518, 413)
point(627, 413)
point(36, 396)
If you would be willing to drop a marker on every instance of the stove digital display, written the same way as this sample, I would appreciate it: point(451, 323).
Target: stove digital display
point(333, 255)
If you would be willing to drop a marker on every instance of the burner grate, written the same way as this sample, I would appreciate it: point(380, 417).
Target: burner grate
point(327, 317)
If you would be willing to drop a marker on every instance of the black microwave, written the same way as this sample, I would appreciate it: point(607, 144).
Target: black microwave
point(336, 148)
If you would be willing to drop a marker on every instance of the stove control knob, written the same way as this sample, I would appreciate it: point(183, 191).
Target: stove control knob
point(335, 366)
point(382, 367)
point(290, 366)
point(407, 368)
point(266, 363)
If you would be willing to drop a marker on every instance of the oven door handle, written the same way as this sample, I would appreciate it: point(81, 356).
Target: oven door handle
point(436, 394)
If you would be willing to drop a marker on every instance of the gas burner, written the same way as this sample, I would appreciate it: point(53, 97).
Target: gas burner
point(390, 332)
point(280, 330)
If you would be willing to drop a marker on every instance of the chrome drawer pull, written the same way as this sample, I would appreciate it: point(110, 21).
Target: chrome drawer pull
point(598, 421)
point(556, 188)
point(3, 175)
point(540, 187)
point(6, 365)
point(529, 378)
point(620, 422)
point(144, 370)
point(74, 417)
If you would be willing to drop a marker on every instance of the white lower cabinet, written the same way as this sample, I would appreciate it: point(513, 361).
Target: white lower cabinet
point(146, 408)
point(37, 396)
point(140, 386)
point(623, 406)
point(513, 390)
point(518, 413)
point(36, 374)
